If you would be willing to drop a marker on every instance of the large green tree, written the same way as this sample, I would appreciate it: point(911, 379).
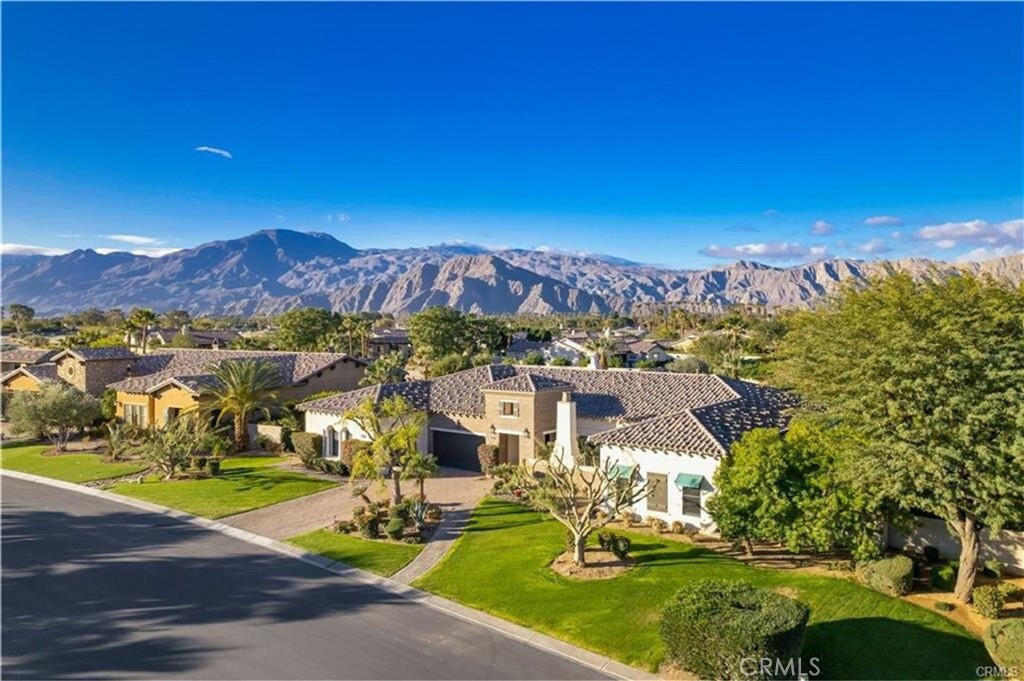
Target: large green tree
point(791, 488)
point(439, 331)
point(308, 329)
point(930, 375)
point(55, 412)
point(20, 315)
point(243, 387)
point(385, 369)
point(393, 427)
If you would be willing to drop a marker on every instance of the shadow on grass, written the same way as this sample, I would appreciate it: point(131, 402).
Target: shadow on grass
point(880, 648)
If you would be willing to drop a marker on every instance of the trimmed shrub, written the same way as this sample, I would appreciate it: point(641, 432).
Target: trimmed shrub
point(993, 568)
point(711, 625)
point(348, 452)
point(1011, 592)
point(893, 576)
point(988, 601)
point(678, 527)
point(1005, 643)
point(488, 457)
point(620, 546)
point(944, 606)
point(395, 528)
point(931, 554)
point(944, 577)
point(308, 446)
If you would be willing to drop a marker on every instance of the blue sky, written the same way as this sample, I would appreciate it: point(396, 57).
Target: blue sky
point(677, 134)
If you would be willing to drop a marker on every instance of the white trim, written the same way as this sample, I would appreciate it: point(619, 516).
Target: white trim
point(460, 432)
point(509, 432)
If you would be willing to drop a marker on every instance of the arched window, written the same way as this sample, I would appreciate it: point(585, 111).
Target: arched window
point(329, 437)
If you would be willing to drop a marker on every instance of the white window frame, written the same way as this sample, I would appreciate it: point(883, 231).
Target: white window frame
point(682, 499)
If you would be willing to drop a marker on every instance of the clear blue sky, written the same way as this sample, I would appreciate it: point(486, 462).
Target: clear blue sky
point(678, 134)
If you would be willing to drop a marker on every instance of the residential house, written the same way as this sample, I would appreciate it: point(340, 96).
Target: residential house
point(205, 340)
point(520, 348)
point(18, 357)
point(660, 428)
point(385, 341)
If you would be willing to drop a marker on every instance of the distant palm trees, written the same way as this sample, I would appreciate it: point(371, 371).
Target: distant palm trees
point(243, 387)
point(602, 347)
point(140, 320)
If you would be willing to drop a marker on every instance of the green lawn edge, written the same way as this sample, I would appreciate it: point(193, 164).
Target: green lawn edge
point(27, 457)
point(380, 557)
point(499, 565)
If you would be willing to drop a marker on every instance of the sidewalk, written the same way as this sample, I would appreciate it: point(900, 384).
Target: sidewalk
point(513, 631)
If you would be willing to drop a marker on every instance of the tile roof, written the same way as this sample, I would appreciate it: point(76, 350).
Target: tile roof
point(42, 372)
point(27, 355)
point(710, 429)
point(416, 393)
point(88, 354)
point(167, 335)
point(527, 383)
point(164, 364)
point(522, 346)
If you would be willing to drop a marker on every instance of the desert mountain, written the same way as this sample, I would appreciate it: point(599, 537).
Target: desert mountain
point(274, 270)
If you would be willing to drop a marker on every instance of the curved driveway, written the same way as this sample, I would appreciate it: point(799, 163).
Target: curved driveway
point(94, 589)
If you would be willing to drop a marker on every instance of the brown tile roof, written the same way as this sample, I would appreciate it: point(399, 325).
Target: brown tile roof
point(167, 335)
point(416, 393)
point(27, 355)
point(163, 364)
point(527, 383)
point(41, 372)
point(710, 429)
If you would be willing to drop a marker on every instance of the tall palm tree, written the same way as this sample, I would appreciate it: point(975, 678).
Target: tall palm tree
point(602, 346)
point(385, 369)
point(143, 318)
point(364, 327)
point(243, 387)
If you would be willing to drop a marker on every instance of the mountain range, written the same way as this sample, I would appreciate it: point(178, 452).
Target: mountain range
point(275, 270)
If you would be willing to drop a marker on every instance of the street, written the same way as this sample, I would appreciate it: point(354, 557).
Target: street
point(94, 589)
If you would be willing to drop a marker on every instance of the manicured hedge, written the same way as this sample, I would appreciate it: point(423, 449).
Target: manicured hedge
point(944, 577)
point(988, 601)
point(307, 445)
point(1005, 643)
point(893, 576)
point(710, 627)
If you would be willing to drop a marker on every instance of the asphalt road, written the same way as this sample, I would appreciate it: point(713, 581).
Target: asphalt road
point(93, 589)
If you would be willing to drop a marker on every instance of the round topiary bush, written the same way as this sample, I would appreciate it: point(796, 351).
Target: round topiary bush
point(721, 630)
point(944, 577)
point(1005, 643)
point(893, 576)
point(988, 601)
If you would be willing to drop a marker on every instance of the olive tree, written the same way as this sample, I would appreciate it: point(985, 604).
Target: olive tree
point(930, 375)
point(55, 411)
point(393, 427)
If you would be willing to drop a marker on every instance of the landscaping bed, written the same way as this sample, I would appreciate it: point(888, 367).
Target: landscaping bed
point(244, 484)
point(76, 467)
point(501, 564)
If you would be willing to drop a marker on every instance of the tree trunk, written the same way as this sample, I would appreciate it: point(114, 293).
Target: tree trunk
point(396, 490)
point(241, 433)
point(748, 546)
point(967, 531)
point(579, 549)
point(423, 492)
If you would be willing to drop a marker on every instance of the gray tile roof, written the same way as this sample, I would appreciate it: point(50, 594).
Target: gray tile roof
point(163, 364)
point(416, 393)
point(28, 355)
point(527, 383)
point(42, 372)
point(97, 354)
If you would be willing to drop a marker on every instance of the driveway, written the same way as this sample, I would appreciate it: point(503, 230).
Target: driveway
point(456, 491)
point(92, 588)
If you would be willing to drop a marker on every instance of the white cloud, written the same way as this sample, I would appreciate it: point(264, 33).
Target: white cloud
point(148, 252)
point(26, 249)
point(974, 232)
point(984, 253)
point(821, 228)
point(214, 150)
point(896, 235)
point(873, 246)
point(134, 239)
point(771, 213)
point(768, 251)
point(883, 221)
point(337, 217)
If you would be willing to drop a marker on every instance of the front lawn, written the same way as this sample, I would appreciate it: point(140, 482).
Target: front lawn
point(83, 467)
point(500, 564)
point(384, 558)
point(245, 483)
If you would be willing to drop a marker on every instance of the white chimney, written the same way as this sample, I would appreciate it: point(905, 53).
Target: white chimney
point(566, 449)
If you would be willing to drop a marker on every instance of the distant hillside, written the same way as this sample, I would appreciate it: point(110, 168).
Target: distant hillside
point(274, 270)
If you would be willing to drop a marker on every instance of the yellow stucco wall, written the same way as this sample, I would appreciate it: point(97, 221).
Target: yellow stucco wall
point(171, 397)
point(21, 383)
point(133, 398)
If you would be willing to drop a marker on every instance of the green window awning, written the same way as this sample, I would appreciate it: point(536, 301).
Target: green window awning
point(689, 481)
point(619, 472)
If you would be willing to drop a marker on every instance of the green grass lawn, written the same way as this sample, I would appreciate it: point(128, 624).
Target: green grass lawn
point(500, 564)
point(28, 458)
point(244, 483)
point(384, 558)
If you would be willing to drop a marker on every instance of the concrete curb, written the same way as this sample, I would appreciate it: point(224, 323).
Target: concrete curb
point(508, 629)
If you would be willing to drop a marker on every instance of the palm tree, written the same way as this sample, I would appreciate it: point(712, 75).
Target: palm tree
point(601, 346)
point(143, 318)
point(243, 387)
point(419, 466)
point(364, 327)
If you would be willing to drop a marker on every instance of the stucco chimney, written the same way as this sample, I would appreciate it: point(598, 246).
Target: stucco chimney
point(566, 449)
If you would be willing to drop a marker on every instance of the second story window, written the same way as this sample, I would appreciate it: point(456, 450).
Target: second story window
point(509, 409)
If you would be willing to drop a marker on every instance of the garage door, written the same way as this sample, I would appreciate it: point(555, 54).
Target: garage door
point(456, 450)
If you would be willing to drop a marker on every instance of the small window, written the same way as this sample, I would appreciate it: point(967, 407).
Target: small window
point(691, 501)
point(135, 414)
point(509, 408)
point(549, 437)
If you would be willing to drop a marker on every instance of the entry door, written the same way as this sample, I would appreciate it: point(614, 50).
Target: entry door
point(657, 500)
point(508, 448)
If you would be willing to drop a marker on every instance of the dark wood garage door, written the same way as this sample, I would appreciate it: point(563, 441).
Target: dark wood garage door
point(456, 450)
